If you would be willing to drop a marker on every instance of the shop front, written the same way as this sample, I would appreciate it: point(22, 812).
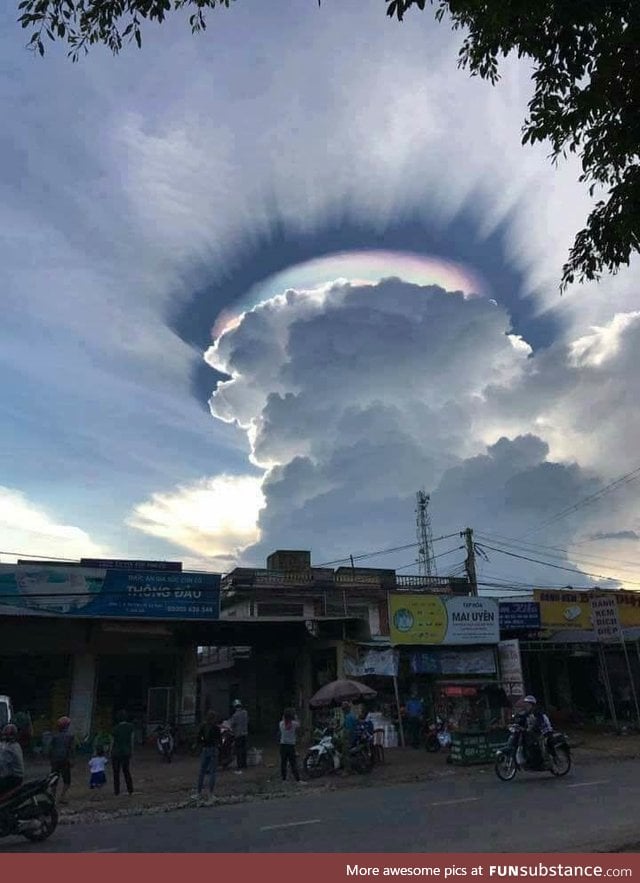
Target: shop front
point(449, 659)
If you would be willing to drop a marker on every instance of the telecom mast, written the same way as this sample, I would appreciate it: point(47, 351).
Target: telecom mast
point(426, 558)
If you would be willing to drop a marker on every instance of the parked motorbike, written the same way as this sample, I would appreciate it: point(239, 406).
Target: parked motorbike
point(30, 810)
point(325, 756)
point(227, 745)
point(437, 735)
point(165, 742)
point(514, 756)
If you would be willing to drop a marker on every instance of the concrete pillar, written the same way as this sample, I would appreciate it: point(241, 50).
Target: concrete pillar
point(188, 686)
point(83, 694)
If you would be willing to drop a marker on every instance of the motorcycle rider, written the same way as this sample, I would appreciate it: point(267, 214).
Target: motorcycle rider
point(537, 731)
point(11, 760)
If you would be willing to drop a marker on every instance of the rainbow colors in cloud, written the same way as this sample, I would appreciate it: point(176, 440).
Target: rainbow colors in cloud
point(358, 267)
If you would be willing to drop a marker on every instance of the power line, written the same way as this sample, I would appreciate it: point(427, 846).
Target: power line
point(548, 564)
point(537, 547)
point(592, 498)
point(440, 555)
point(383, 551)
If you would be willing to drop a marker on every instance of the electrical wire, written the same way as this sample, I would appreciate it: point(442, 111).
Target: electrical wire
point(383, 551)
point(555, 566)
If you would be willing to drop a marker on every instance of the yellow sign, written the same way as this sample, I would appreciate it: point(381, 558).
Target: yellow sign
point(432, 619)
point(571, 610)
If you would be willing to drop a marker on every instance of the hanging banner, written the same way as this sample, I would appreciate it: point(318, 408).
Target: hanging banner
point(429, 619)
point(454, 662)
point(360, 661)
point(32, 590)
point(511, 667)
point(605, 619)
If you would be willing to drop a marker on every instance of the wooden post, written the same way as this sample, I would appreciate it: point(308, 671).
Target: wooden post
point(400, 727)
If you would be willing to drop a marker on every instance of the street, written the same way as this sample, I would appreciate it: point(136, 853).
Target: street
point(594, 808)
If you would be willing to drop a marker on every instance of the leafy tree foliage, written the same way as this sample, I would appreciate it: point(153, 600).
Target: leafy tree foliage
point(585, 56)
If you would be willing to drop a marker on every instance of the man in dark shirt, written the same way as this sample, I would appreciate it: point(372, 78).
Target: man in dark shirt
point(209, 739)
point(121, 753)
point(61, 750)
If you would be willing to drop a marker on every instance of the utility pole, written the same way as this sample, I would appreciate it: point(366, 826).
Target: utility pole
point(470, 563)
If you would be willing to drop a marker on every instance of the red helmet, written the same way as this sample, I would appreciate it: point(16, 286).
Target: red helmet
point(64, 723)
point(10, 731)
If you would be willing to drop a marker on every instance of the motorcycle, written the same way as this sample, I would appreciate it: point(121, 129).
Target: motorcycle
point(513, 757)
point(30, 810)
point(227, 744)
point(325, 756)
point(165, 742)
point(437, 736)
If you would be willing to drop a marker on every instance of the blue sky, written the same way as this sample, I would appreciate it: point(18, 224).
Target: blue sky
point(145, 196)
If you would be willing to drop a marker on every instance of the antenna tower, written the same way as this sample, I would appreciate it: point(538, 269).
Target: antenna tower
point(426, 558)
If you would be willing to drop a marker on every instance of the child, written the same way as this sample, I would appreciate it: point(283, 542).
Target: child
point(97, 766)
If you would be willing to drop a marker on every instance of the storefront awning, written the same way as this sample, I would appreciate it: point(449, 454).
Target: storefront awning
point(587, 636)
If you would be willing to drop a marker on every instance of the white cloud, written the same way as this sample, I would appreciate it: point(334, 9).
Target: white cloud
point(353, 398)
point(214, 518)
point(27, 529)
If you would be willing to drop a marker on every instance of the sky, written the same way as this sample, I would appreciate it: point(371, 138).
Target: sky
point(263, 284)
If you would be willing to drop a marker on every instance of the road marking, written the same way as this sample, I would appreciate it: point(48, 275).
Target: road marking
point(452, 802)
point(291, 824)
point(589, 784)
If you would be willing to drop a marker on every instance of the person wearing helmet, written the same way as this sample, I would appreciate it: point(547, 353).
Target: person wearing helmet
point(11, 760)
point(61, 751)
point(240, 726)
point(538, 731)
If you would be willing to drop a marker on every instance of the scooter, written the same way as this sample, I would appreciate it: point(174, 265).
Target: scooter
point(30, 810)
point(437, 735)
point(513, 758)
point(165, 742)
point(324, 756)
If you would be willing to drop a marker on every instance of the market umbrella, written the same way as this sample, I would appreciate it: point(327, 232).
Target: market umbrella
point(340, 691)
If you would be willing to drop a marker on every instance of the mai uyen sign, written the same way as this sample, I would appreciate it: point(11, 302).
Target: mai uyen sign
point(432, 619)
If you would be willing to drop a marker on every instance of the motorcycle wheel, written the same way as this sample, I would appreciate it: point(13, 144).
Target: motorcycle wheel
point(506, 767)
point(432, 744)
point(316, 765)
point(48, 823)
point(562, 763)
point(362, 762)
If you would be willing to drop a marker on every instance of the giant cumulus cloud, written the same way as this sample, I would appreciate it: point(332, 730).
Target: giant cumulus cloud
point(355, 397)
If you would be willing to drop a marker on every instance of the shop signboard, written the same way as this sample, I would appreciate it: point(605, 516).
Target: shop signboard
point(454, 662)
point(431, 619)
point(122, 564)
point(363, 661)
point(519, 616)
point(37, 590)
point(511, 667)
point(604, 617)
point(572, 610)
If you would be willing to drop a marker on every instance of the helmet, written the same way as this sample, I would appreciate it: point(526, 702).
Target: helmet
point(530, 699)
point(10, 731)
point(63, 723)
point(237, 703)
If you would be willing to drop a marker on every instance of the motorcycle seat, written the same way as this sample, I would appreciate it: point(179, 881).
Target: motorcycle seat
point(25, 790)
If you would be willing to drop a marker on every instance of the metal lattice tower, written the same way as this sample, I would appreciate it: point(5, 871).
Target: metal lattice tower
point(426, 558)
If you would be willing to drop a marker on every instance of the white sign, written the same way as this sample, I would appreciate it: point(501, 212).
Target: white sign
point(372, 662)
point(605, 619)
point(472, 621)
point(511, 667)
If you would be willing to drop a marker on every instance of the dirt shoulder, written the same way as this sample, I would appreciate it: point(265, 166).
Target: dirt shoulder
point(161, 787)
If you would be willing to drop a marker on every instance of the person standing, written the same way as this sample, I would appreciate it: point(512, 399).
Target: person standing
point(415, 717)
point(121, 752)
point(61, 750)
point(240, 727)
point(209, 738)
point(11, 760)
point(288, 733)
point(349, 727)
point(97, 767)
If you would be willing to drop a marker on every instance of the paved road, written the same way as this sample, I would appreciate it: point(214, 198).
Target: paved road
point(592, 808)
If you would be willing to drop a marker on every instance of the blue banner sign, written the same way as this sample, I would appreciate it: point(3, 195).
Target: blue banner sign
point(35, 589)
point(519, 616)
